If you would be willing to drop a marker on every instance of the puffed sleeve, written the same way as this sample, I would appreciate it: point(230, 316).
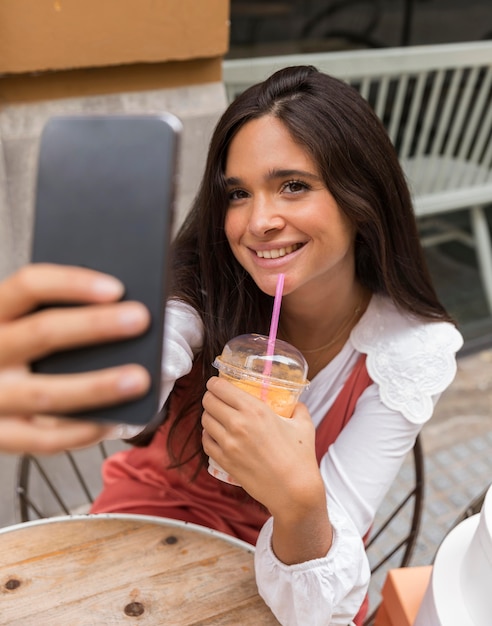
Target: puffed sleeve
point(411, 360)
point(183, 336)
point(323, 592)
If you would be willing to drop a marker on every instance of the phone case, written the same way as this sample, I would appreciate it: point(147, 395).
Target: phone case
point(104, 200)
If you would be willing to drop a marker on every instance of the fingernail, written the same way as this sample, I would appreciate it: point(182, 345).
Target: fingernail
point(132, 382)
point(108, 286)
point(133, 317)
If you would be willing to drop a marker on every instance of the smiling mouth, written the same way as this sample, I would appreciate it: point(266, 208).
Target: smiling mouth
point(278, 252)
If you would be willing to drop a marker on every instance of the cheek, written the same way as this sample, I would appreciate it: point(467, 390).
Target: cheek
point(346, 229)
point(232, 227)
point(346, 239)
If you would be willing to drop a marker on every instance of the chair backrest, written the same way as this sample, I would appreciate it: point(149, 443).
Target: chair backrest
point(394, 535)
point(61, 484)
point(434, 100)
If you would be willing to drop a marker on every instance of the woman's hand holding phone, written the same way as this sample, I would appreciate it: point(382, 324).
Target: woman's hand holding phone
point(31, 404)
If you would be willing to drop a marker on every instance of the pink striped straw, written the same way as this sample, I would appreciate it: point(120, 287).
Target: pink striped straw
point(267, 370)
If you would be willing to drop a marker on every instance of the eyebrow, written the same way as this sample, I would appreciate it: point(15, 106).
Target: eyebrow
point(274, 174)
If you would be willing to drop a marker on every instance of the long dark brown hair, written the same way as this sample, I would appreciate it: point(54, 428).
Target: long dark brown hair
point(359, 166)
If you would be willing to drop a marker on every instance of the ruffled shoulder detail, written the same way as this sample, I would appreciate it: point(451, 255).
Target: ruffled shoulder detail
point(409, 358)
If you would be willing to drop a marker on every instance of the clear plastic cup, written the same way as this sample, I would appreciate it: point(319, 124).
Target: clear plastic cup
point(244, 361)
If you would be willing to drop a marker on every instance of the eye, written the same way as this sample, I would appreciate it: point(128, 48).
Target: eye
point(295, 186)
point(236, 194)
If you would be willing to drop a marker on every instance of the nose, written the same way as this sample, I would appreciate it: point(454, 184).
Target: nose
point(264, 216)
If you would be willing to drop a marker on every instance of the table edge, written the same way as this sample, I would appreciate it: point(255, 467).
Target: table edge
point(160, 521)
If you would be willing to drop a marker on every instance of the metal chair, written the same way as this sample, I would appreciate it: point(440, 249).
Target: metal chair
point(394, 535)
point(62, 484)
point(473, 508)
point(434, 101)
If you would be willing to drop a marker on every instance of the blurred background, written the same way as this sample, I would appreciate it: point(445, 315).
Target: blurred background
point(125, 56)
point(296, 27)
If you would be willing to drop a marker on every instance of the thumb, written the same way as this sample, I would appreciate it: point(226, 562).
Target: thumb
point(302, 416)
point(301, 412)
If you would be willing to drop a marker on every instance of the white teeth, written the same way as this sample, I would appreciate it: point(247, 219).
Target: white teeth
point(279, 252)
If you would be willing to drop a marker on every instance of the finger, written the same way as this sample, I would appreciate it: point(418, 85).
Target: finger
point(50, 330)
point(68, 393)
point(36, 284)
point(214, 428)
point(231, 395)
point(217, 413)
point(48, 435)
point(210, 445)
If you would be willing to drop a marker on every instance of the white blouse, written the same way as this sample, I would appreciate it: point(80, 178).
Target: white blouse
point(411, 362)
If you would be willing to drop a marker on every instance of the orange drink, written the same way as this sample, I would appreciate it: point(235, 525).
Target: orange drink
point(244, 361)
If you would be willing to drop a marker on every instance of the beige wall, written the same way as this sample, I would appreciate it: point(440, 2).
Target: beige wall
point(27, 103)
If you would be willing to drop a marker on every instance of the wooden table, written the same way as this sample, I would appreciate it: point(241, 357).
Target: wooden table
point(105, 570)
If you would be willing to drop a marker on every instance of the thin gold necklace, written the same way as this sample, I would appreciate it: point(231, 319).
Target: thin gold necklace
point(334, 339)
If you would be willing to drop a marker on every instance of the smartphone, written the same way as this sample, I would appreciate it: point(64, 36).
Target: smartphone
point(104, 200)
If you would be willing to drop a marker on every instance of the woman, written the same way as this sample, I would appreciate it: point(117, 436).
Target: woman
point(301, 179)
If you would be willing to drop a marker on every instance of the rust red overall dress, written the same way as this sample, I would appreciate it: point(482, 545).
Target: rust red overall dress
point(140, 481)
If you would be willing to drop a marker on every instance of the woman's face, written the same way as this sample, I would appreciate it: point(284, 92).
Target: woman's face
point(281, 218)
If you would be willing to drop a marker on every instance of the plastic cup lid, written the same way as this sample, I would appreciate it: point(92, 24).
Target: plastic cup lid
point(248, 353)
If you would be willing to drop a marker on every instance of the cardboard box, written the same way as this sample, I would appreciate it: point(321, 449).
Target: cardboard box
point(38, 35)
point(382, 617)
point(402, 594)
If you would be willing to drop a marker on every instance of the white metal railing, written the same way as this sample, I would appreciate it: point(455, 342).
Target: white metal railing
point(436, 103)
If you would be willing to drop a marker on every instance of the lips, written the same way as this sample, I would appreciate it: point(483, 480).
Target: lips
point(276, 253)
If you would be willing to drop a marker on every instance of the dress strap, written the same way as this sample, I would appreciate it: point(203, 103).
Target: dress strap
point(339, 414)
